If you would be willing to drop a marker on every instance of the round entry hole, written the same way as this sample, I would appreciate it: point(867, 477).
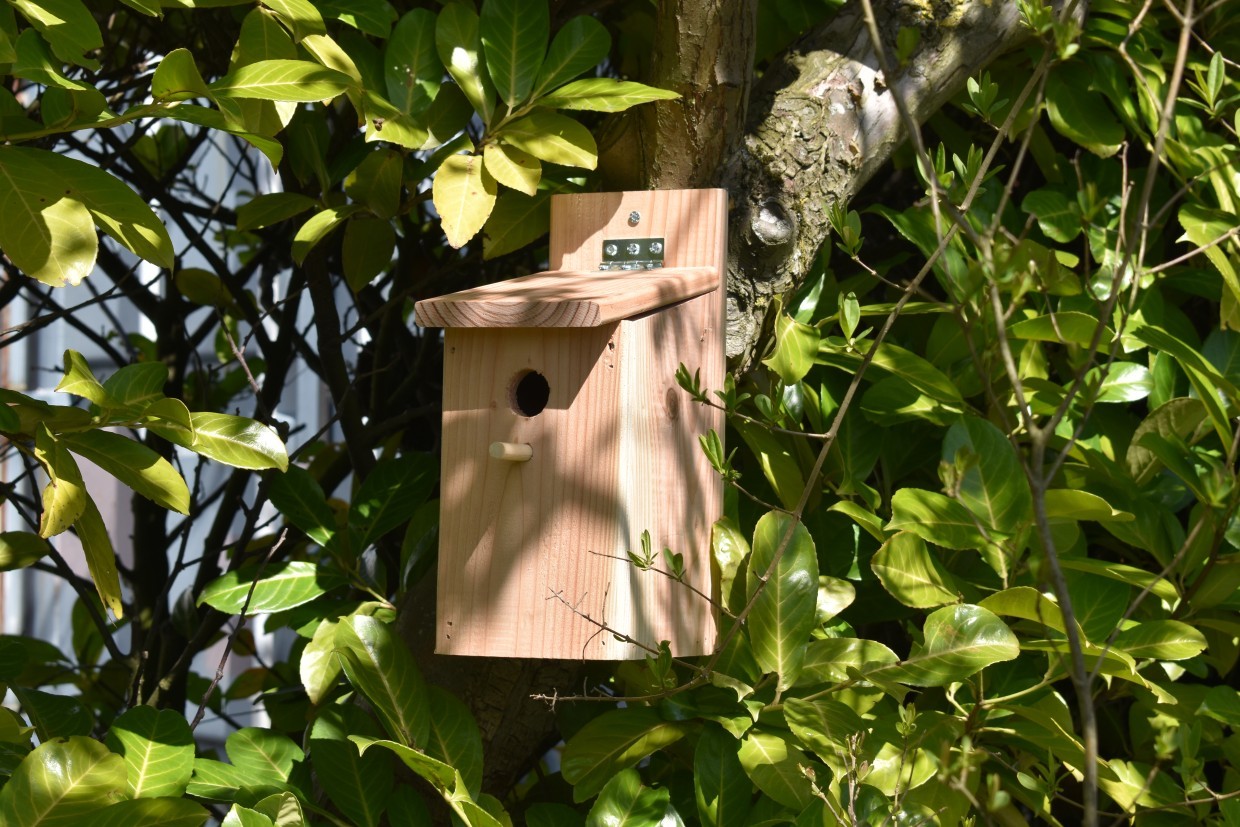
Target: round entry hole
point(529, 393)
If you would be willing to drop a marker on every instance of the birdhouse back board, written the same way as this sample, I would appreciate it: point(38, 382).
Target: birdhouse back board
point(598, 444)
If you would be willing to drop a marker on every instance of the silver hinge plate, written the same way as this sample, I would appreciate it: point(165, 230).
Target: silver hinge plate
point(632, 254)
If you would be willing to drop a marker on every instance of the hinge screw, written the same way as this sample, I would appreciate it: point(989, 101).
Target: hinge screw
point(611, 249)
point(634, 218)
point(634, 248)
point(656, 247)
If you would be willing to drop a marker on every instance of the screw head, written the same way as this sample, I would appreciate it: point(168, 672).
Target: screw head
point(635, 218)
point(656, 247)
point(634, 248)
point(611, 249)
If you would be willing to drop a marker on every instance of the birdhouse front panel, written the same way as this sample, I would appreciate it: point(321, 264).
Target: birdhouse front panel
point(566, 436)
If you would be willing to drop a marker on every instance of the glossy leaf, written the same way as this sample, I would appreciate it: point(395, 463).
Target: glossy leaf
point(604, 95)
point(992, 483)
point(279, 586)
point(390, 495)
point(581, 44)
point(1057, 218)
point(79, 380)
point(359, 785)
point(720, 786)
point(512, 167)
point(625, 802)
point(53, 715)
point(158, 748)
point(515, 221)
point(239, 816)
point(935, 518)
point(318, 227)
point(149, 812)
point(796, 345)
point(554, 138)
point(959, 642)
point(48, 235)
point(100, 557)
point(454, 738)
point(514, 38)
point(134, 387)
point(459, 43)
point(236, 441)
point(464, 194)
point(774, 765)
point(68, 25)
point(177, 78)
point(300, 499)
point(19, 549)
point(411, 66)
point(134, 464)
point(61, 783)
point(282, 80)
point(911, 574)
point(64, 497)
point(438, 774)
point(262, 753)
point(1161, 639)
point(785, 607)
point(730, 549)
point(299, 16)
point(272, 208)
point(612, 742)
point(380, 666)
point(319, 668)
point(1068, 326)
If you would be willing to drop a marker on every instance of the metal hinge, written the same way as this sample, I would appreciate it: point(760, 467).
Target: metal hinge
point(632, 254)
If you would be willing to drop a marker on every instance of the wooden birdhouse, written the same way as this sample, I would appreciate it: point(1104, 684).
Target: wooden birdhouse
point(566, 435)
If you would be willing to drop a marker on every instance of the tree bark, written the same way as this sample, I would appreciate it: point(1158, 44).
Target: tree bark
point(823, 120)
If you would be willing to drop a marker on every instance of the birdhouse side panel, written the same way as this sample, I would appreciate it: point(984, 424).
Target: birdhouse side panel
point(518, 538)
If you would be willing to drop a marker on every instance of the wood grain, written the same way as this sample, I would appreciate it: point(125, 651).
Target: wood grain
point(533, 555)
point(568, 298)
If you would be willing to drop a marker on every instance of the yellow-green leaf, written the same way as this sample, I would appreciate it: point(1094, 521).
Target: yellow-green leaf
point(581, 44)
point(786, 592)
point(412, 72)
point(604, 95)
point(464, 195)
point(61, 782)
point(513, 168)
point(515, 221)
point(100, 557)
point(19, 549)
point(299, 16)
point(911, 574)
point(279, 586)
point(177, 78)
point(64, 498)
point(158, 748)
point(79, 380)
point(557, 139)
point(460, 48)
point(367, 250)
point(49, 235)
point(233, 440)
point(282, 80)
point(135, 465)
point(318, 227)
point(514, 37)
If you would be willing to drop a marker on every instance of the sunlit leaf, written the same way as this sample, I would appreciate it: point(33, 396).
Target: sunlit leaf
point(464, 195)
point(380, 666)
point(158, 748)
point(604, 95)
point(959, 641)
point(514, 37)
point(459, 43)
point(785, 606)
point(612, 742)
point(911, 574)
point(580, 44)
point(134, 464)
point(625, 802)
point(61, 783)
point(282, 80)
point(278, 586)
point(554, 138)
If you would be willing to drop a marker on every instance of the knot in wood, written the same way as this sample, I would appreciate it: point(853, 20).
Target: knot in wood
point(772, 225)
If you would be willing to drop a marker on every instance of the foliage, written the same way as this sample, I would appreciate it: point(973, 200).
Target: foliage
point(980, 557)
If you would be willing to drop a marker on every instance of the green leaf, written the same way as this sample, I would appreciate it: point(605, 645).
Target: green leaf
point(796, 345)
point(1068, 326)
point(1121, 382)
point(625, 802)
point(1057, 217)
point(272, 208)
point(778, 464)
point(1123, 573)
point(581, 44)
point(80, 381)
point(1072, 504)
point(367, 250)
point(391, 494)
point(236, 441)
point(992, 483)
point(54, 716)
point(283, 809)
point(827, 727)
point(1161, 639)
point(135, 465)
point(380, 666)
point(213, 119)
point(113, 206)
point(280, 586)
point(1204, 226)
point(720, 786)
point(464, 195)
point(911, 574)
point(48, 235)
point(774, 764)
point(438, 774)
point(370, 16)
point(100, 557)
point(300, 499)
point(170, 419)
point(19, 549)
point(158, 748)
point(411, 69)
point(318, 227)
point(282, 80)
point(261, 753)
point(299, 16)
point(785, 608)
point(68, 25)
point(512, 167)
point(1082, 115)
point(515, 221)
point(177, 78)
point(64, 498)
point(514, 38)
point(319, 668)
point(895, 361)
point(239, 816)
point(612, 742)
point(60, 783)
point(447, 116)
point(135, 387)
point(359, 785)
point(149, 812)
point(459, 44)
point(934, 518)
point(959, 642)
point(376, 182)
point(730, 549)
point(454, 738)
point(554, 138)
point(604, 95)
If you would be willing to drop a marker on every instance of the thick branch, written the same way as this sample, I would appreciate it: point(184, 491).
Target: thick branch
point(823, 121)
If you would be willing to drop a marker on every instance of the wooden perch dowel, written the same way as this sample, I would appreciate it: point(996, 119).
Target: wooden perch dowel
point(512, 451)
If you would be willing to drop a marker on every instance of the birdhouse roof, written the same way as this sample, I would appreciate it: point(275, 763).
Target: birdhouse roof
point(567, 298)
